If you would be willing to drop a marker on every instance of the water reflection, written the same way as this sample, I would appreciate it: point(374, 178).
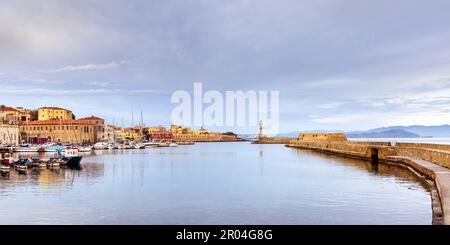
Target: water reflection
point(215, 183)
point(48, 178)
point(381, 169)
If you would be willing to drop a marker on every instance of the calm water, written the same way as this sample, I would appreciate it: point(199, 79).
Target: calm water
point(215, 183)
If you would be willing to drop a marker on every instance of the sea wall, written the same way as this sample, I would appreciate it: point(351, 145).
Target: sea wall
point(430, 160)
point(273, 140)
point(435, 153)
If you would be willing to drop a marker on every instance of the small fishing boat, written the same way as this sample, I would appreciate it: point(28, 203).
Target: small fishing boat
point(85, 149)
point(26, 148)
point(139, 146)
point(8, 159)
point(164, 144)
point(150, 144)
point(21, 167)
point(101, 146)
point(72, 157)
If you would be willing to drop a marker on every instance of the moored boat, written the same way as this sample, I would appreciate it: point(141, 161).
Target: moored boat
point(85, 149)
point(26, 148)
point(101, 146)
point(72, 157)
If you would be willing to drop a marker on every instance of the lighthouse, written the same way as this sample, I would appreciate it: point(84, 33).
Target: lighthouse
point(261, 135)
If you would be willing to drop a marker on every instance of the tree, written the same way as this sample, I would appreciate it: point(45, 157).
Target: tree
point(229, 133)
point(34, 115)
point(74, 117)
point(2, 107)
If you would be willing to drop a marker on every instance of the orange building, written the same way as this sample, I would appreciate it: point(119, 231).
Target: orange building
point(88, 130)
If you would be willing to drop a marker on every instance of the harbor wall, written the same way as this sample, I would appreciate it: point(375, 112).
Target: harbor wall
point(273, 140)
point(430, 160)
point(435, 153)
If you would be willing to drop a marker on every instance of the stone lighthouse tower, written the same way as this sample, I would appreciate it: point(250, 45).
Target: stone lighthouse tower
point(261, 135)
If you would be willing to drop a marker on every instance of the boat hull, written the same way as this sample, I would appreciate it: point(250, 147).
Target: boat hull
point(74, 162)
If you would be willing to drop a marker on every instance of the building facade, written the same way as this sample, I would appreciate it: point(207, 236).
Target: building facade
point(9, 134)
point(54, 113)
point(99, 126)
point(322, 136)
point(63, 131)
point(10, 115)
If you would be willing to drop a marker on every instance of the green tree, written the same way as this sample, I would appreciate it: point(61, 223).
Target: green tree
point(34, 115)
point(2, 108)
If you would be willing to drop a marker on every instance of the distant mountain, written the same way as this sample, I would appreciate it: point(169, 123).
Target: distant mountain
point(422, 131)
point(416, 130)
point(392, 133)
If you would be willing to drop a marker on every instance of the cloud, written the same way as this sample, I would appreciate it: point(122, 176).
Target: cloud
point(87, 92)
point(87, 67)
point(41, 80)
point(97, 84)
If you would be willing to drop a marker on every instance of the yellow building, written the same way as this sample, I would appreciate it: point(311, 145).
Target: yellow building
point(181, 134)
point(64, 131)
point(322, 136)
point(132, 133)
point(52, 113)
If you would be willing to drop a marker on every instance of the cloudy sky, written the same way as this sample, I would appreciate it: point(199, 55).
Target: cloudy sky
point(341, 65)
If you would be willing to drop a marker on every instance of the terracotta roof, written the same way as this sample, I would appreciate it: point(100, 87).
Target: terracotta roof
point(58, 122)
point(91, 118)
point(8, 109)
point(54, 108)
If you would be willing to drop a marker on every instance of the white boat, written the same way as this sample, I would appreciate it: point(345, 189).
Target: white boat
point(139, 146)
point(173, 144)
point(150, 144)
point(85, 149)
point(55, 149)
point(163, 144)
point(101, 146)
point(26, 149)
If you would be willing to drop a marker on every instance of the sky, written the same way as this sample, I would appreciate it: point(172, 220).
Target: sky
point(338, 65)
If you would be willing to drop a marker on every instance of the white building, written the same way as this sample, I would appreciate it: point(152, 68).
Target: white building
point(9, 134)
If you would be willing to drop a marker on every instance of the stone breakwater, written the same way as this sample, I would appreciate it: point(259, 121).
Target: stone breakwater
point(429, 160)
point(273, 140)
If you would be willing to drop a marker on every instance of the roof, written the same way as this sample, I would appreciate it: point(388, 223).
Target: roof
point(54, 108)
point(8, 109)
point(58, 122)
point(91, 118)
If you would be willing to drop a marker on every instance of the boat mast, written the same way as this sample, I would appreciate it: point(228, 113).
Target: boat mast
point(59, 132)
point(142, 125)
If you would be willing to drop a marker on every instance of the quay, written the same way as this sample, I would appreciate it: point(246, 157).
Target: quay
point(432, 161)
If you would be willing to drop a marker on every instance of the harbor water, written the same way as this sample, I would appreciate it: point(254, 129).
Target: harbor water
point(215, 183)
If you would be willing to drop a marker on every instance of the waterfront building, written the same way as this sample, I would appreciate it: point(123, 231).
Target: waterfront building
point(10, 115)
point(53, 113)
point(9, 134)
point(201, 135)
point(81, 131)
point(99, 126)
point(322, 136)
point(113, 134)
point(159, 133)
point(132, 133)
